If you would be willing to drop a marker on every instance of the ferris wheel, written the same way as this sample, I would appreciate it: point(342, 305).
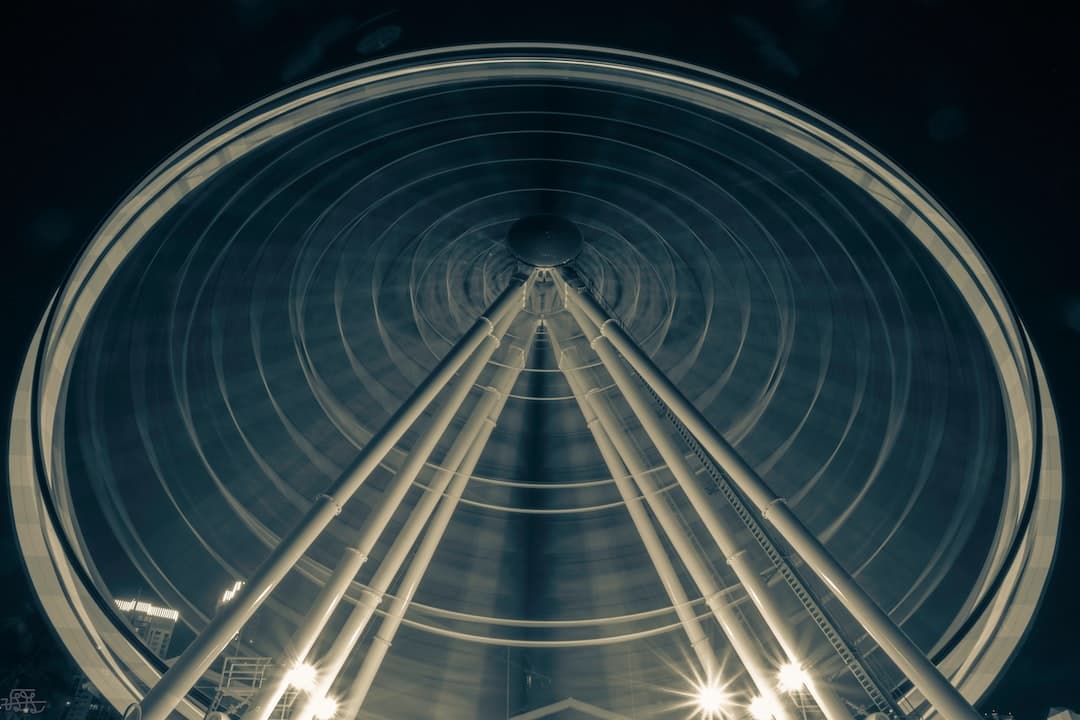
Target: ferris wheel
point(524, 381)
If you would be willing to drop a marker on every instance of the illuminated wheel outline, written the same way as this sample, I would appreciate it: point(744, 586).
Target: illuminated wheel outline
point(101, 645)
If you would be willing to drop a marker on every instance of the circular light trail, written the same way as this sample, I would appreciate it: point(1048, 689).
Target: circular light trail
point(252, 313)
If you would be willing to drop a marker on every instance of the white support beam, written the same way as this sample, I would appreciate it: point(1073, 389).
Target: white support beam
point(744, 644)
point(276, 683)
point(890, 638)
point(742, 641)
point(673, 455)
point(162, 699)
point(330, 664)
point(354, 558)
point(669, 578)
point(380, 644)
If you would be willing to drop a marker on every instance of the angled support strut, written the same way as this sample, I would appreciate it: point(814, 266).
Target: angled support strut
point(760, 597)
point(669, 578)
point(330, 597)
point(890, 638)
point(746, 648)
point(485, 416)
point(197, 657)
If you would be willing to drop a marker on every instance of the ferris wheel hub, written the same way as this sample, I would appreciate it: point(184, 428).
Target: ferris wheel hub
point(544, 240)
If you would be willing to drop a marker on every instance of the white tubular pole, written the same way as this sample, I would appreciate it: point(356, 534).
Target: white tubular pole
point(661, 437)
point(276, 683)
point(319, 614)
point(380, 644)
point(327, 601)
point(330, 664)
point(161, 699)
point(891, 639)
point(699, 642)
point(742, 641)
point(826, 698)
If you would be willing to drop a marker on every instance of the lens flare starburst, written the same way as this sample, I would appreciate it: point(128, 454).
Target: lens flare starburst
point(792, 677)
point(713, 702)
point(324, 708)
point(301, 676)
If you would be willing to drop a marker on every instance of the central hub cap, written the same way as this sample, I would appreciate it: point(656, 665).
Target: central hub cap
point(544, 240)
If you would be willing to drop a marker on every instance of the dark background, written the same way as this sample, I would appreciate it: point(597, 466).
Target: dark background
point(973, 99)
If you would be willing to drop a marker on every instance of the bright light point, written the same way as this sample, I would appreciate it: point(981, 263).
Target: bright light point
point(762, 709)
point(711, 701)
point(324, 708)
point(231, 592)
point(301, 676)
point(793, 677)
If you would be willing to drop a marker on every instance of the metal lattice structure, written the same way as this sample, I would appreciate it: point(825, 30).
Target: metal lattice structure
point(241, 678)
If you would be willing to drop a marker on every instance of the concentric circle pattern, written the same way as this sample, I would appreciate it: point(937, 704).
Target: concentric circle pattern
point(264, 302)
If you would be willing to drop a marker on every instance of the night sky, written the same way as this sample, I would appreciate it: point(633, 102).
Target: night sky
point(973, 101)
